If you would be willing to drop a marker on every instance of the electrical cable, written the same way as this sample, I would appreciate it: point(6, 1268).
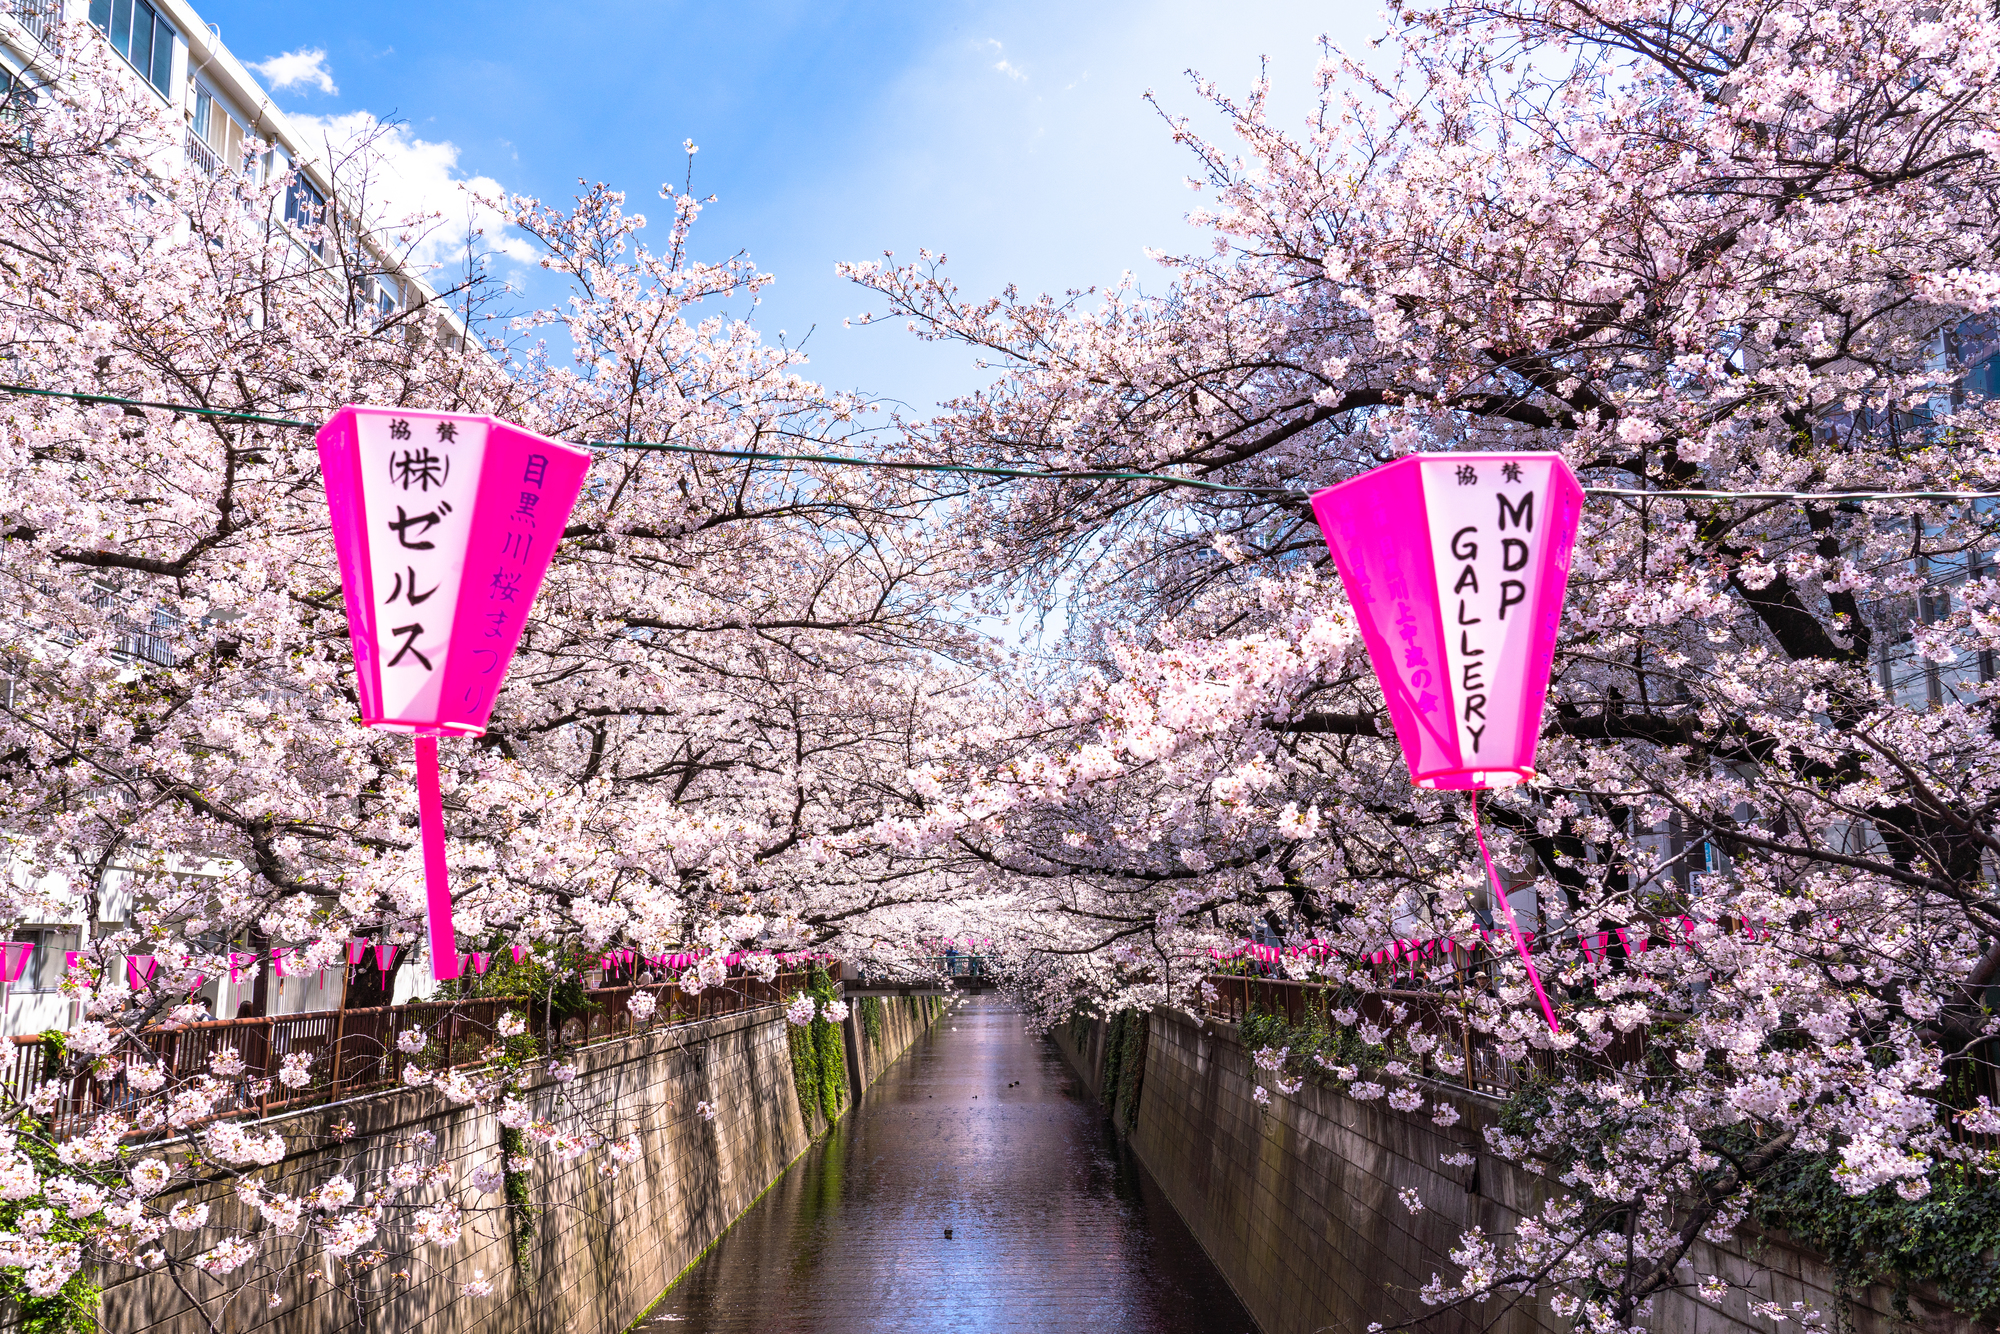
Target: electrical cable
point(978, 470)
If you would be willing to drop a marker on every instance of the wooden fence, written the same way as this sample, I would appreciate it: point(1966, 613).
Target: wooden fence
point(355, 1051)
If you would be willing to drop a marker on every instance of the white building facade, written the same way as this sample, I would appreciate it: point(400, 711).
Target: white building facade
point(228, 124)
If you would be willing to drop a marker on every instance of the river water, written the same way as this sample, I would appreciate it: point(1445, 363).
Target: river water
point(980, 1129)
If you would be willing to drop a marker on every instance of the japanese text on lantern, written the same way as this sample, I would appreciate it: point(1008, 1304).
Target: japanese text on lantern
point(1416, 668)
point(505, 598)
point(419, 479)
point(1484, 545)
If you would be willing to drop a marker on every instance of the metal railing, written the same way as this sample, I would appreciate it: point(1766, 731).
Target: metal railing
point(199, 155)
point(1484, 1069)
point(39, 17)
point(355, 1051)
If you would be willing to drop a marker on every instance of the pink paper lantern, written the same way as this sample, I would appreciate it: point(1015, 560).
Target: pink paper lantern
point(444, 526)
point(1456, 566)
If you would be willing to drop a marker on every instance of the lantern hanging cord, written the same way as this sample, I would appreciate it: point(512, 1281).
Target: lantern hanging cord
point(977, 470)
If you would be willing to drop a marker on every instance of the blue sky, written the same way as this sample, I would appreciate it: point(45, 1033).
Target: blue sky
point(1012, 136)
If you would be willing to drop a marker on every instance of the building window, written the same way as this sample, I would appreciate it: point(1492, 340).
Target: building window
point(45, 963)
point(305, 209)
point(141, 36)
point(218, 131)
point(305, 206)
point(384, 302)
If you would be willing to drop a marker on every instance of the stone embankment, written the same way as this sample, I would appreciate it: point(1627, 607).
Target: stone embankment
point(586, 1252)
point(1297, 1204)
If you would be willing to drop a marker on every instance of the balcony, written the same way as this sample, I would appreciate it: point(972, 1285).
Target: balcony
point(199, 155)
point(39, 17)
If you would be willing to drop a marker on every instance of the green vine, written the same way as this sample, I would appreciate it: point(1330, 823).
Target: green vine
point(1131, 1070)
point(520, 1206)
point(1124, 1064)
point(819, 1065)
point(553, 992)
point(1949, 1239)
point(871, 1018)
point(1313, 1046)
point(72, 1308)
point(1114, 1052)
point(832, 1059)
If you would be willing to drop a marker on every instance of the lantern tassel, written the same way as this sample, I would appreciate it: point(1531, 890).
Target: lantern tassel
point(1507, 910)
point(437, 877)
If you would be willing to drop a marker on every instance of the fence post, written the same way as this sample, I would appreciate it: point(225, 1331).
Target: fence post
point(339, 1031)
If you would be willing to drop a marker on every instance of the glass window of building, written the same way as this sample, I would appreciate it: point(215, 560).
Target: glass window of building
point(219, 133)
point(140, 35)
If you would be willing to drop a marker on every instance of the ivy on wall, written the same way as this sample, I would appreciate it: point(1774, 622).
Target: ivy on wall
point(520, 1205)
point(72, 1308)
point(819, 1065)
point(1124, 1065)
point(1948, 1241)
point(1333, 1044)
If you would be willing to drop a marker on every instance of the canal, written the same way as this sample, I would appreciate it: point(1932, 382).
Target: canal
point(975, 1187)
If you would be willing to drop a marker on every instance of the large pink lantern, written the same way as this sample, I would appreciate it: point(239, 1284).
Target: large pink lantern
point(1456, 565)
point(444, 526)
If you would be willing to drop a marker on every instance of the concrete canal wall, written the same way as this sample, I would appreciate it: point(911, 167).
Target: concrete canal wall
point(598, 1250)
point(1297, 1203)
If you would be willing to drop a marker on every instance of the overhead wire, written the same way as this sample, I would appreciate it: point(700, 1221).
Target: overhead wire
point(1027, 474)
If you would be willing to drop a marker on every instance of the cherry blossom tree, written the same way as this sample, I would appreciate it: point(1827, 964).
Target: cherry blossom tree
point(1701, 250)
point(728, 662)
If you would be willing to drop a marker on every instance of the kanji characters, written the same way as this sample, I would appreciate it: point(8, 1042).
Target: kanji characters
point(419, 468)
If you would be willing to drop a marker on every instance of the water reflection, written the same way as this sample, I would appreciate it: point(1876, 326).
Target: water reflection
point(982, 1130)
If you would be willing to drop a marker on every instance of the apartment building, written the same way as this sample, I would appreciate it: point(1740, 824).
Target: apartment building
point(228, 124)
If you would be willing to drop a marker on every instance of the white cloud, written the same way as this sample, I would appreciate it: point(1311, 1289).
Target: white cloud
point(1005, 66)
point(400, 181)
point(297, 69)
